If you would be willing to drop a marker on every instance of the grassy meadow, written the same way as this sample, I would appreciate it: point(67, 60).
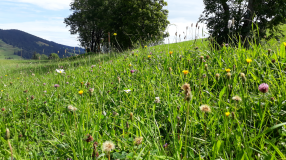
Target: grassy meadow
point(173, 101)
point(7, 51)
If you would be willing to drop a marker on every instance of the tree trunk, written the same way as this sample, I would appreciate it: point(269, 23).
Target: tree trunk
point(248, 18)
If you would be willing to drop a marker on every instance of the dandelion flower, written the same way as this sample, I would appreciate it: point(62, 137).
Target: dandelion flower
point(108, 146)
point(171, 52)
point(115, 34)
point(248, 60)
point(284, 44)
point(60, 70)
point(236, 98)
point(6, 75)
point(205, 108)
point(130, 65)
point(138, 140)
point(227, 114)
point(263, 87)
point(80, 92)
point(145, 46)
point(227, 70)
point(149, 56)
point(127, 91)
point(185, 72)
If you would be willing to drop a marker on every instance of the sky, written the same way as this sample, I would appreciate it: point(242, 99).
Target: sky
point(44, 18)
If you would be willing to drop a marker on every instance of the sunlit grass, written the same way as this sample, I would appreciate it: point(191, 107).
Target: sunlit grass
point(137, 100)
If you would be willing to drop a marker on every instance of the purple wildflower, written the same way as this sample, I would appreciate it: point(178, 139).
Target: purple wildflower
point(263, 87)
point(56, 85)
point(67, 82)
point(132, 71)
point(165, 145)
point(44, 84)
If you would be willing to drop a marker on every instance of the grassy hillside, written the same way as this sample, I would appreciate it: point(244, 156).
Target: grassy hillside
point(7, 51)
point(164, 102)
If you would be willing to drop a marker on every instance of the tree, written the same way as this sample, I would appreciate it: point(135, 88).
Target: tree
point(240, 18)
point(134, 21)
point(36, 56)
point(44, 57)
point(54, 56)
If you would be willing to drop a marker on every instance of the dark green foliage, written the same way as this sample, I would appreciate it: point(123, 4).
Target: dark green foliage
point(134, 21)
point(54, 56)
point(252, 19)
point(30, 44)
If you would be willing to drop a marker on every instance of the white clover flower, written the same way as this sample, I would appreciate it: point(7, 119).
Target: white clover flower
point(128, 90)
point(60, 70)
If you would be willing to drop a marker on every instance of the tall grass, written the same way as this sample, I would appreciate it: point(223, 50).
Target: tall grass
point(172, 128)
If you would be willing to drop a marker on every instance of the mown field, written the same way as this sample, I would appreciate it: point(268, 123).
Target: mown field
point(172, 101)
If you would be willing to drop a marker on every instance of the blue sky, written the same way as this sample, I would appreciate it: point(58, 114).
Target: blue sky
point(44, 18)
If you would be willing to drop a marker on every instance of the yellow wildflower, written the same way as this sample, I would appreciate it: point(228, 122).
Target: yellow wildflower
point(227, 114)
point(1, 90)
point(5, 75)
point(185, 72)
point(171, 52)
point(149, 56)
point(284, 44)
point(80, 92)
point(130, 65)
point(248, 60)
point(227, 70)
point(145, 46)
point(115, 34)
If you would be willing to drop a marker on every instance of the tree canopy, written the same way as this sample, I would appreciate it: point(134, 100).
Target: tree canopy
point(133, 21)
point(249, 19)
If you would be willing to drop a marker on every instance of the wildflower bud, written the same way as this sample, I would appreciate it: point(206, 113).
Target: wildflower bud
point(32, 97)
point(234, 67)
point(11, 83)
point(228, 75)
point(25, 91)
point(206, 66)
point(3, 109)
point(127, 125)
point(170, 69)
point(204, 76)
point(131, 116)
point(207, 57)
point(87, 84)
point(217, 76)
point(273, 60)
point(201, 57)
point(242, 75)
point(138, 140)
point(272, 98)
point(118, 79)
point(7, 133)
point(178, 118)
point(89, 138)
point(233, 115)
point(269, 51)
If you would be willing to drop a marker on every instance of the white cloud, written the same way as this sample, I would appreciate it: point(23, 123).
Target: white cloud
point(53, 30)
point(48, 4)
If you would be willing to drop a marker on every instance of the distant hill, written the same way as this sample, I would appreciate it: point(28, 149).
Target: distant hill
point(16, 43)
